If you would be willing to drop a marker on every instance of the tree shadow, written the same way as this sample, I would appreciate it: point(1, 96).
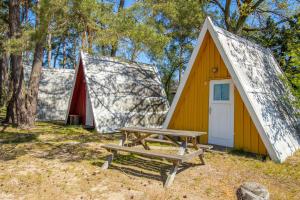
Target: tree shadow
point(155, 169)
point(10, 144)
point(8, 138)
point(71, 152)
point(241, 153)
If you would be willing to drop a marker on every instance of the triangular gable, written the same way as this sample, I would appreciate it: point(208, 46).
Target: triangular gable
point(255, 73)
point(123, 94)
point(77, 101)
point(54, 90)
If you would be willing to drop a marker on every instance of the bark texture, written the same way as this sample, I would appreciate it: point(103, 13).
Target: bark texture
point(49, 49)
point(4, 61)
point(16, 109)
point(114, 47)
point(34, 82)
point(33, 87)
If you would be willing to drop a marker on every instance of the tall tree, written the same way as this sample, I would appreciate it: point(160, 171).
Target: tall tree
point(115, 44)
point(16, 109)
point(4, 58)
point(22, 104)
point(43, 17)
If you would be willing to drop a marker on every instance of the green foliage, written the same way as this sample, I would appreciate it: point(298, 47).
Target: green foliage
point(181, 22)
point(284, 41)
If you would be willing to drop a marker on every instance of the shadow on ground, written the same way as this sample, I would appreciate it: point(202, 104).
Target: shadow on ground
point(155, 169)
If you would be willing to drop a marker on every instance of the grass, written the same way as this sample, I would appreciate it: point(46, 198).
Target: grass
point(63, 162)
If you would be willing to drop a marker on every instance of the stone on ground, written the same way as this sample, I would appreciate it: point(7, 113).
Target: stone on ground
point(252, 191)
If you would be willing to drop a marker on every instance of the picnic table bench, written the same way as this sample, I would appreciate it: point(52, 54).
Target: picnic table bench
point(133, 136)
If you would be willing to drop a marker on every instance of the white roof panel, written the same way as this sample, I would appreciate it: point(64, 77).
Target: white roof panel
point(54, 93)
point(123, 93)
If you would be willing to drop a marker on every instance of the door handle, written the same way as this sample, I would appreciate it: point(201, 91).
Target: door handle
point(209, 110)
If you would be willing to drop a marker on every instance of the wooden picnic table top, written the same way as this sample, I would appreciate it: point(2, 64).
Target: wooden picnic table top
point(167, 132)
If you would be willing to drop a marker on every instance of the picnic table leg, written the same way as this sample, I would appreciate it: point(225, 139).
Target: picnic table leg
point(172, 174)
point(123, 139)
point(145, 145)
point(174, 169)
point(142, 141)
point(195, 144)
point(109, 160)
point(113, 154)
point(182, 148)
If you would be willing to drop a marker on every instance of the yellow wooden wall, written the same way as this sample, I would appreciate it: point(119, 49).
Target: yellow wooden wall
point(191, 112)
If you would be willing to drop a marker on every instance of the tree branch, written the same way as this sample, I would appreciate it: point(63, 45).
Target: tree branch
point(218, 4)
point(243, 18)
point(266, 27)
point(227, 15)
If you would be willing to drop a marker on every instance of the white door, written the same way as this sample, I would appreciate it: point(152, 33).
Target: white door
point(89, 112)
point(221, 113)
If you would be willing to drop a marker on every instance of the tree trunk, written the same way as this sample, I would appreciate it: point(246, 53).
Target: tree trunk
point(114, 46)
point(34, 82)
point(74, 52)
point(56, 56)
point(4, 78)
point(33, 87)
point(16, 109)
point(64, 55)
point(90, 40)
point(49, 50)
point(1, 82)
point(83, 40)
point(180, 64)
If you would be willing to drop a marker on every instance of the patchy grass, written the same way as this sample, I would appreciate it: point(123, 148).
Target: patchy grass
point(52, 161)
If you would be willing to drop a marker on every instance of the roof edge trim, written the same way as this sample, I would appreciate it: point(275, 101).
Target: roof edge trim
point(186, 73)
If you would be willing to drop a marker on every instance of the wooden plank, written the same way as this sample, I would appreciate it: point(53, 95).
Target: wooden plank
point(254, 139)
point(182, 148)
point(197, 133)
point(136, 141)
point(238, 120)
point(171, 175)
point(202, 146)
point(143, 152)
point(205, 146)
point(108, 160)
point(192, 155)
point(261, 147)
point(247, 133)
point(172, 140)
point(142, 140)
point(176, 133)
point(171, 157)
point(158, 140)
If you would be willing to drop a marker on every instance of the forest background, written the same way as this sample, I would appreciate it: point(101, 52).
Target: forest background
point(51, 34)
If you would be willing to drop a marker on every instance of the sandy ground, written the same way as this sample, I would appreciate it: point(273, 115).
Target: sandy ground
point(48, 163)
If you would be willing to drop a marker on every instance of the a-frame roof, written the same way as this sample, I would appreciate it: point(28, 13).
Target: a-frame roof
point(257, 76)
point(54, 91)
point(123, 93)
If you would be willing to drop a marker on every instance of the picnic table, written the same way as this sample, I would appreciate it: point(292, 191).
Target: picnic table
point(134, 136)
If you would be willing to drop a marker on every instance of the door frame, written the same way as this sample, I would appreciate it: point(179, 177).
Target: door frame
point(89, 117)
point(211, 139)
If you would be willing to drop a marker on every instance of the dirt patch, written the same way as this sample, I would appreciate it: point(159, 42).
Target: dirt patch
point(57, 163)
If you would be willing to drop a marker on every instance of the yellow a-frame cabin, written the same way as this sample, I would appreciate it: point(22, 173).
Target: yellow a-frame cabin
point(231, 89)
